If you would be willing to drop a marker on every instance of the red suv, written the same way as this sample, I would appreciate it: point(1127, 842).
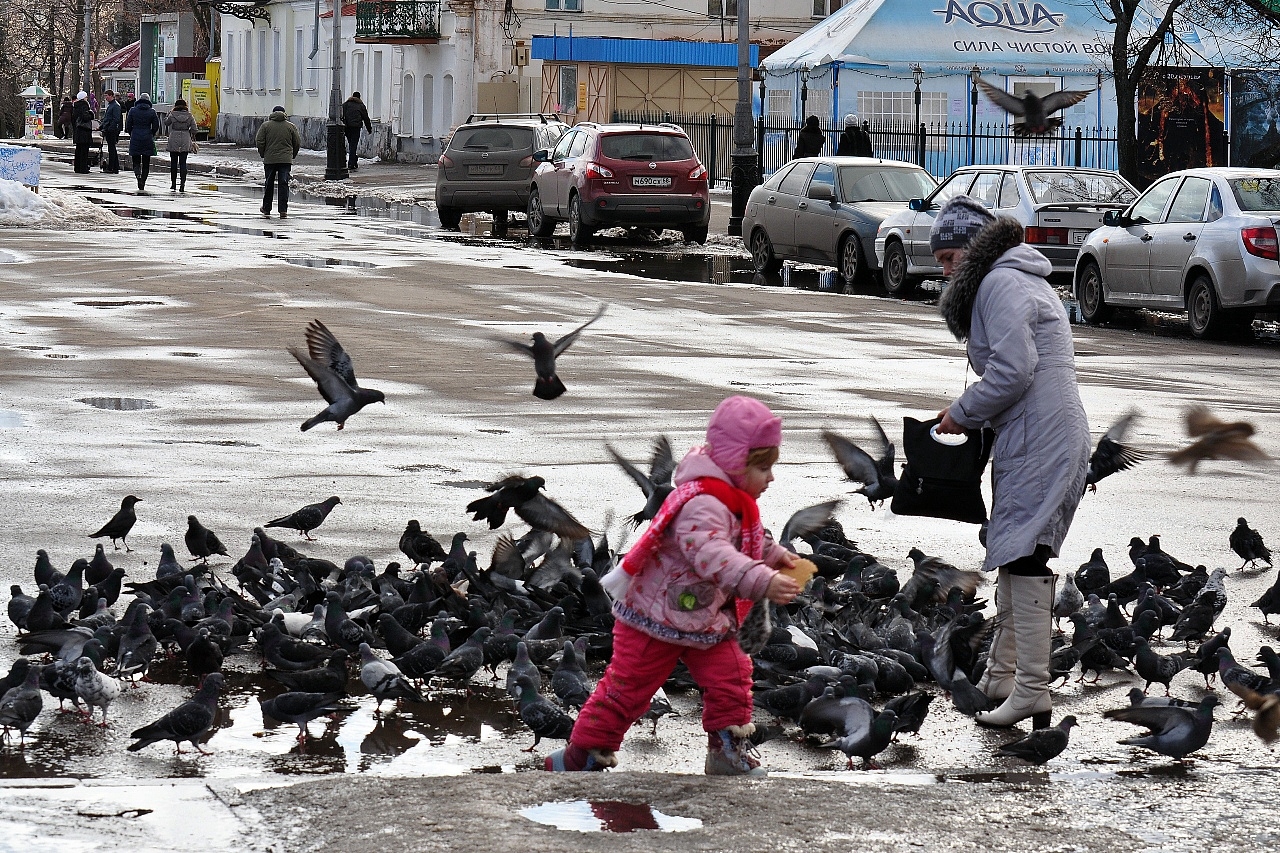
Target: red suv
point(605, 175)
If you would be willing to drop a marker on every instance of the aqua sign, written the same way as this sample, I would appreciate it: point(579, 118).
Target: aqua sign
point(1015, 17)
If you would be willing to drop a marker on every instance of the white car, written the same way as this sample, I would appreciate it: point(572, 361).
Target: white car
point(1059, 206)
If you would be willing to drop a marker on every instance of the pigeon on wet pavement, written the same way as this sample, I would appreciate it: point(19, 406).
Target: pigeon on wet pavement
point(186, 723)
point(523, 495)
point(1155, 667)
point(287, 653)
point(659, 707)
point(384, 679)
point(464, 661)
point(1112, 455)
point(1248, 545)
point(544, 354)
point(204, 656)
point(99, 566)
point(330, 678)
point(1269, 601)
point(538, 713)
point(1041, 745)
point(1216, 439)
point(1172, 730)
point(300, 708)
point(19, 706)
point(137, 648)
point(201, 541)
point(308, 518)
point(1240, 679)
point(419, 546)
point(95, 689)
point(875, 473)
point(421, 661)
point(1032, 109)
point(17, 674)
point(120, 524)
point(569, 682)
point(522, 666)
point(866, 739)
point(168, 565)
point(328, 364)
point(657, 484)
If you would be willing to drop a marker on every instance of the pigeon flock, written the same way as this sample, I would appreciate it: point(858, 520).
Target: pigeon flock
point(852, 664)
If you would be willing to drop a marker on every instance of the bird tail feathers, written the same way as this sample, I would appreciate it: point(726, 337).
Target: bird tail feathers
point(548, 388)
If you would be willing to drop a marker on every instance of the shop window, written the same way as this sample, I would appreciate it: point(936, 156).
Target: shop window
point(568, 89)
point(722, 8)
point(899, 109)
point(822, 8)
point(564, 5)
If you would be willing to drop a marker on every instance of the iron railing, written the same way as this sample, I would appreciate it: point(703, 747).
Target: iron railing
point(397, 19)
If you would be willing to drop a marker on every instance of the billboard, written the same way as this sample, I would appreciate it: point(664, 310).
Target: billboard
point(1180, 120)
point(1255, 108)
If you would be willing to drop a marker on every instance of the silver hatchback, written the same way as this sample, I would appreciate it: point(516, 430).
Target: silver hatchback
point(1201, 241)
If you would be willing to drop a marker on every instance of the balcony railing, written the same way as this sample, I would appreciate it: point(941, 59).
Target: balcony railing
point(397, 20)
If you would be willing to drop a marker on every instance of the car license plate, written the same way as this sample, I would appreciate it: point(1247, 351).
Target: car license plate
point(486, 169)
point(647, 181)
point(1078, 237)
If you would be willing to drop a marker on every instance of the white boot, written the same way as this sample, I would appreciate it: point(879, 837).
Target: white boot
point(1032, 622)
point(997, 679)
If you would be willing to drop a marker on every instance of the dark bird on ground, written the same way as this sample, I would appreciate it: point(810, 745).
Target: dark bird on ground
point(65, 595)
point(939, 576)
point(659, 707)
point(1240, 679)
point(1093, 575)
point(19, 706)
point(334, 374)
point(17, 674)
point(1112, 454)
point(656, 485)
point(187, 722)
point(523, 495)
point(137, 647)
point(543, 718)
point(99, 566)
point(910, 709)
point(421, 661)
point(1155, 667)
point(544, 354)
point(1216, 439)
point(569, 682)
point(1248, 544)
point(875, 473)
point(1032, 109)
point(308, 518)
point(330, 678)
point(1269, 602)
point(20, 605)
point(1172, 730)
point(464, 661)
point(1041, 745)
point(120, 524)
point(384, 679)
point(866, 738)
point(1197, 619)
point(287, 653)
point(523, 666)
point(204, 656)
point(300, 708)
point(201, 541)
point(420, 546)
point(1205, 660)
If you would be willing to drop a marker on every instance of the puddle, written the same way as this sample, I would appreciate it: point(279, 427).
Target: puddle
point(319, 262)
point(11, 420)
point(607, 816)
point(224, 443)
point(7, 257)
point(708, 269)
point(120, 303)
point(58, 355)
point(118, 404)
point(32, 347)
point(186, 354)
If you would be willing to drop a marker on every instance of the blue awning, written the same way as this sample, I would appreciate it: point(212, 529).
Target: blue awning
point(639, 51)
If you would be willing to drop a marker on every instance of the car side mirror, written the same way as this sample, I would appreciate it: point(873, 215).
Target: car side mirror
point(916, 204)
point(541, 156)
point(1113, 219)
point(822, 192)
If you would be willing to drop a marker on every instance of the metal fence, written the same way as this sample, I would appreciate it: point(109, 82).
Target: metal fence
point(940, 148)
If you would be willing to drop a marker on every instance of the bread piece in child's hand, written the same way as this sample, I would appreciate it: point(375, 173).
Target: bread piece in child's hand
point(801, 570)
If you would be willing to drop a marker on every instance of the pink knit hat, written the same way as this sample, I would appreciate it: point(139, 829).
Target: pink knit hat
point(738, 426)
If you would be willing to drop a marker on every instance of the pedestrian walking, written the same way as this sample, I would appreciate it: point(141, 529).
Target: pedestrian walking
point(66, 115)
point(1018, 341)
point(354, 115)
point(181, 142)
point(129, 103)
point(82, 132)
point(142, 123)
point(278, 143)
point(111, 122)
point(678, 594)
point(810, 140)
point(855, 141)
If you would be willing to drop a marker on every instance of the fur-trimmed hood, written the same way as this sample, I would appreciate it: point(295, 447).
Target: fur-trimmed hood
point(987, 247)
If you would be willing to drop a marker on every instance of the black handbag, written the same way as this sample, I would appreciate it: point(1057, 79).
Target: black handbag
point(942, 480)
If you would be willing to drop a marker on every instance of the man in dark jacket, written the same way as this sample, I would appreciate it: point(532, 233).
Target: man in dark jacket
point(810, 140)
point(354, 114)
point(278, 143)
point(66, 114)
point(111, 123)
point(82, 132)
point(855, 141)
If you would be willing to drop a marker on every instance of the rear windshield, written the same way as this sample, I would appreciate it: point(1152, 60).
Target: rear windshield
point(660, 147)
point(1256, 194)
point(1077, 187)
point(876, 183)
point(493, 139)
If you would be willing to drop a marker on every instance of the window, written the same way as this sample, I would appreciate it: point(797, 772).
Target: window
point(493, 139)
point(446, 101)
point(313, 62)
point(778, 177)
point(357, 73)
point(375, 85)
point(579, 146)
point(562, 149)
point(277, 42)
point(246, 66)
point(429, 105)
point(655, 147)
point(1150, 206)
point(262, 59)
point(228, 57)
point(900, 107)
point(953, 186)
point(1188, 204)
point(818, 104)
point(796, 179)
point(1215, 206)
point(564, 5)
point(408, 105)
point(568, 89)
point(985, 189)
point(824, 175)
point(778, 102)
point(1256, 194)
point(862, 183)
point(1010, 195)
point(722, 8)
point(298, 54)
point(822, 8)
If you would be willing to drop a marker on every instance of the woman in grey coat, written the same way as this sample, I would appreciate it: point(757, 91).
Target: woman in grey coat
point(182, 130)
point(1019, 343)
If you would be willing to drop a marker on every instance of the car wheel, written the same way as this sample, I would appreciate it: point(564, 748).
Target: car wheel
point(1089, 293)
point(501, 220)
point(540, 225)
point(896, 280)
point(762, 255)
point(853, 267)
point(579, 231)
point(696, 234)
point(1205, 316)
point(449, 216)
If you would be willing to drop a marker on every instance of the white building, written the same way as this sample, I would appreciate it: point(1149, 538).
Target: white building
point(422, 66)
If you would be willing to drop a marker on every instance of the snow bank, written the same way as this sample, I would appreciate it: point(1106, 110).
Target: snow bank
point(51, 208)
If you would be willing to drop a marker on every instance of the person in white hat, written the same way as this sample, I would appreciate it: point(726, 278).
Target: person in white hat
point(855, 141)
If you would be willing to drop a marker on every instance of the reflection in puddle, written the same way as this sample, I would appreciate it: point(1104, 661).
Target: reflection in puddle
point(118, 303)
point(708, 269)
point(319, 262)
point(118, 404)
point(607, 816)
point(10, 420)
point(58, 355)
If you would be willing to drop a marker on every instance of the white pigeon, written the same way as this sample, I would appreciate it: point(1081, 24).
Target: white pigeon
point(97, 689)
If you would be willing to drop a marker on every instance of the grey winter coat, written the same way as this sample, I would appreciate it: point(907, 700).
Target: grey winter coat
point(182, 128)
point(1019, 344)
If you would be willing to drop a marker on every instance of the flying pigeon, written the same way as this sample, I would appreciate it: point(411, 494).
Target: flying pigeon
point(522, 494)
point(876, 473)
point(1216, 439)
point(300, 708)
point(1041, 745)
point(656, 485)
point(544, 354)
point(1248, 544)
point(1172, 730)
point(187, 722)
point(1032, 109)
point(308, 518)
point(1112, 454)
point(120, 524)
point(331, 368)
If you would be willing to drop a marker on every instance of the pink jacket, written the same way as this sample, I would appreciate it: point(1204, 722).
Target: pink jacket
point(685, 594)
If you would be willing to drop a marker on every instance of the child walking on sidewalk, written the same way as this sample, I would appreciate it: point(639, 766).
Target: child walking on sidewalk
point(676, 594)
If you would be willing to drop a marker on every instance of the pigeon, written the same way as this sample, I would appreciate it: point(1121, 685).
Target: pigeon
point(120, 524)
point(1094, 574)
point(168, 565)
point(201, 542)
point(910, 709)
point(384, 679)
point(1248, 545)
point(17, 674)
point(204, 656)
point(544, 354)
point(329, 365)
point(95, 688)
point(1216, 439)
point(542, 717)
point(569, 682)
point(656, 485)
point(19, 706)
point(137, 647)
point(19, 606)
point(464, 661)
point(419, 546)
point(866, 738)
point(308, 518)
point(421, 661)
point(934, 573)
point(1068, 600)
point(330, 678)
point(1032, 109)
point(1172, 730)
point(99, 566)
point(523, 666)
point(287, 653)
point(876, 474)
point(341, 629)
point(1240, 679)
point(659, 707)
point(187, 722)
point(1112, 454)
point(1266, 722)
point(1269, 602)
point(300, 708)
point(968, 699)
point(65, 595)
point(523, 495)
point(1155, 667)
point(1041, 745)
point(807, 522)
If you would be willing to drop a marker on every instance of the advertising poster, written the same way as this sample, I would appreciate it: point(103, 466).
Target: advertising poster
point(199, 97)
point(35, 119)
point(1255, 107)
point(1180, 120)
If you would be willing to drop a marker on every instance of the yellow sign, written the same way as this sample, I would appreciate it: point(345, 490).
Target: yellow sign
point(199, 97)
point(582, 97)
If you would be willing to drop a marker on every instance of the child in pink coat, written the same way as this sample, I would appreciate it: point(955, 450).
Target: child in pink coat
point(676, 594)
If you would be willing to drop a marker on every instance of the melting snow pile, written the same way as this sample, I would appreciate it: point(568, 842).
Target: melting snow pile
point(50, 208)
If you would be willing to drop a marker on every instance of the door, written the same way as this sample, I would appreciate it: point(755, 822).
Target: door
point(778, 210)
point(569, 170)
point(817, 221)
point(598, 93)
point(553, 177)
point(916, 236)
point(1034, 150)
point(1175, 239)
point(1128, 257)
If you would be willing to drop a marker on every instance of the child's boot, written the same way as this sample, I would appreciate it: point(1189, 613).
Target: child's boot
point(730, 752)
point(575, 758)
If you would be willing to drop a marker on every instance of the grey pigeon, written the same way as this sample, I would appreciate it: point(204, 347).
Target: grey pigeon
point(308, 518)
point(300, 708)
point(523, 666)
point(1032, 109)
point(1173, 731)
point(1112, 454)
point(1268, 602)
point(20, 706)
point(569, 682)
point(330, 678)
point(1069, 598)
point(1248, 544)
point(187, 722)
point(19, 606)
point(1155, 667)
point(659, 707)
point(201, 541)
point(866, 740)
point(96, 689)
point(168, 565)
point(329, 365)
point(968, 699)
point(421, 660)
point(99, 566)
point(464, 661)
point(204, 655)
point(544, 354)
point(875, 473)
point(66, 593)
point(543, 718)
point(656, 485)
point(120, 524)
point(137, 647)
point(384, 679)
point(1041, 745)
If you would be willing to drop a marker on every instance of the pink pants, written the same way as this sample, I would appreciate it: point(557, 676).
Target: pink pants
point(641, 664)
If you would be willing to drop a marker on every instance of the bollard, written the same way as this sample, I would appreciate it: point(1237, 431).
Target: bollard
point(786, 273)
point(828, 281)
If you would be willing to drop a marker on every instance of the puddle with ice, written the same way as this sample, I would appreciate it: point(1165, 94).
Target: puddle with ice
point(118, 404)
point(607, 816)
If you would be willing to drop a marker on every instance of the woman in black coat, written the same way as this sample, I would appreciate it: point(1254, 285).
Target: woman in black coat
point(811, 139)
point(142, 124)
point(82, 132)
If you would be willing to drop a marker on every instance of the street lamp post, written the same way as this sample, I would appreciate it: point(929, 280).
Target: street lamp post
point(335, 166)
point(744, 174)
point(974, 73)
point(804, 94)
point(917, 73)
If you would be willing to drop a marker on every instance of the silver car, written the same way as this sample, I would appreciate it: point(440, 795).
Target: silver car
point(1200, 240)
point(1059, 207)
point(825, 210)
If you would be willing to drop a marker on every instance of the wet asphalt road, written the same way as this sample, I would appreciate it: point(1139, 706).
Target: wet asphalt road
point(193, 318)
